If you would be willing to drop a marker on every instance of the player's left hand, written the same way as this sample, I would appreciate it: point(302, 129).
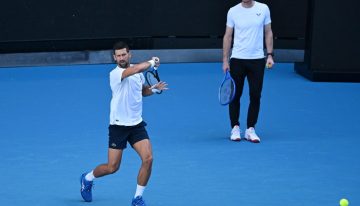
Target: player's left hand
point(269, 62)
point(160, 86)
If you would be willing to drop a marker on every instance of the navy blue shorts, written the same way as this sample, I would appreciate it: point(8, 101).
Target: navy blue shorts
point(120, 135)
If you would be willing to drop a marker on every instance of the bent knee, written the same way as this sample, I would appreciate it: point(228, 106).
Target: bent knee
point(113, 168)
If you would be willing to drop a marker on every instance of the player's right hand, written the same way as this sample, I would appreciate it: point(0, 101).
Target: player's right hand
point(225, 67)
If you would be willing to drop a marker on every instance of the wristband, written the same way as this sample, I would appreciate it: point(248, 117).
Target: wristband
point(152, 62)
point(155, 91)
point(270, 54)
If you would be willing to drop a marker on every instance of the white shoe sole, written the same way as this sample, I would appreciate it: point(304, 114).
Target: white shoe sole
point(252, 140)
point(235, 139)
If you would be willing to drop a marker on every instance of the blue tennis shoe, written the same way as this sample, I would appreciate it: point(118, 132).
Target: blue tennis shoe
point(86, 187)
point(138, 201)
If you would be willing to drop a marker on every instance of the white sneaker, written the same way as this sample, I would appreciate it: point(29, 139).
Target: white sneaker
point(235, 134)
point(251, 136)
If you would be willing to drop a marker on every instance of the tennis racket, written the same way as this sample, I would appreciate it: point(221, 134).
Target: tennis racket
point(227, 89)
point(152, 78)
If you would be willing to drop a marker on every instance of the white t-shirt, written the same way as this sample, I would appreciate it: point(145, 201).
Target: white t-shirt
point(248, 24)
point(126, 102)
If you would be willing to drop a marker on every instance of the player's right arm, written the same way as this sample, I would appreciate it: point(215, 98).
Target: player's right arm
point(141, 67)
point(226, 47)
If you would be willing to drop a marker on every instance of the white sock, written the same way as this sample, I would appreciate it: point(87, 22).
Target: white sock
point(90, 176)
point(139, 190)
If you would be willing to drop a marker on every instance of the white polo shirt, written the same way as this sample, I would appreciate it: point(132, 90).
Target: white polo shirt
point(248, 24)
point(126, 102)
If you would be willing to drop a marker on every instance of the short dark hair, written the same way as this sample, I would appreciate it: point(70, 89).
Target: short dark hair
point(120, 45)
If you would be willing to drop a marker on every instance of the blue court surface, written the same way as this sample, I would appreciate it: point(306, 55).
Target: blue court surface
point(54, 127)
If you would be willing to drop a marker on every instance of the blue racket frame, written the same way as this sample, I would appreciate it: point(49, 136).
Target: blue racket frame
point(155, 74)
point(227, 77)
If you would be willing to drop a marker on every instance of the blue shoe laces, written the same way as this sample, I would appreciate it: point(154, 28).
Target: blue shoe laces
point(138, 201)
point(88, 185)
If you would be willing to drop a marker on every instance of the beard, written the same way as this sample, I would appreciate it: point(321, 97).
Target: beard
point(123, 64)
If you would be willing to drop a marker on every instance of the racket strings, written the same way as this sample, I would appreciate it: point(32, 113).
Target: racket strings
point(227, 91)
point(151, 79)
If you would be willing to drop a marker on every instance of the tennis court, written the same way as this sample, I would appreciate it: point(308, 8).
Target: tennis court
point(54, 127)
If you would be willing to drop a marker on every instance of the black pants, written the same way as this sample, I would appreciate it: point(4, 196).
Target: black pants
point(253, 70)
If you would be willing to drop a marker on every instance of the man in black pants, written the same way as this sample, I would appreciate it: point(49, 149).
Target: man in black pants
point(248, 21)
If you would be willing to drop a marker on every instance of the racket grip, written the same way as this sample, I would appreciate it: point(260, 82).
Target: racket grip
point(157, 62)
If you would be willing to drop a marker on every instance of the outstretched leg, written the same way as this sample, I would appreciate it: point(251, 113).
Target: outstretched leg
point(86, 179)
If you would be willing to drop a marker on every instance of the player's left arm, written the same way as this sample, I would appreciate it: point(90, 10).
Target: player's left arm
point(147, 90)
point(269, 42)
